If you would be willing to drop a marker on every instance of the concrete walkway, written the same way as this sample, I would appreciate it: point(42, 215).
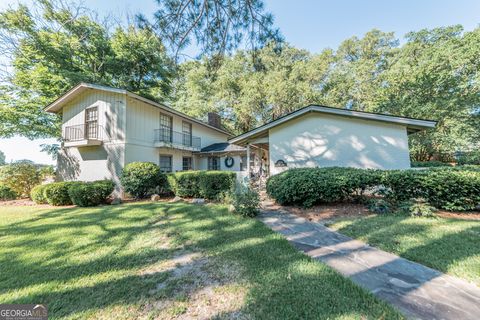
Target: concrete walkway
point(417, 291)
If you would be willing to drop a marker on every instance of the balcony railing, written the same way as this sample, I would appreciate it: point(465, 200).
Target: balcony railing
point(86, 131)
point(177, 138)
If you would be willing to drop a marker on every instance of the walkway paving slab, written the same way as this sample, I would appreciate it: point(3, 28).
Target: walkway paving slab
point(417, 291)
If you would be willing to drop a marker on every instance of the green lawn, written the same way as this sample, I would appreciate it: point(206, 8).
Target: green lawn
point(161, 260)
point(448, 245)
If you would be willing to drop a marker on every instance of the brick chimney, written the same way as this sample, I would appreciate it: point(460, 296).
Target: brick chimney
point(214, 120)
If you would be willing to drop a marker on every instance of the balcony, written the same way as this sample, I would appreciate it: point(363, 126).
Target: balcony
point(81, 135)
point(167, 138)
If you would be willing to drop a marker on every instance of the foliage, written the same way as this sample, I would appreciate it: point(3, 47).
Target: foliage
point(470, 158)
point(2, 158)
point(47, 172)
point(245, 200)
point(416, 209)
point(380, 206)
point(88, 194)
point(7, 193)
point(403, 185)
point(433, 75)
point(54, 45)
point(217, 26)
point(308, 186)
point(56, 193)
point(20, 176)
point(38, 194)
point(429, 164)
point(201, 184)
point(140, 179)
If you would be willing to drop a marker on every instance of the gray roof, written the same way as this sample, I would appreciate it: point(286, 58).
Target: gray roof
point(223, 147)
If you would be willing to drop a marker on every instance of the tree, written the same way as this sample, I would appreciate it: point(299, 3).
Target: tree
point(218, 26)
point(21, 176)
point(2, 158)
point(59, 45)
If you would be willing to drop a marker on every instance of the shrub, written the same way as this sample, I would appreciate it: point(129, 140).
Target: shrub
point(308, 186)
point(454, 190)
point(87, 194)
point(6, 193)
point(246, 201)
point(140, 179)
point(38, 194)
point(20, 176)
point(403, 184)
point(429, 164)
point(417, 209)
point(379, 206)
point(201, 184)
point(56, 193)
point(469, 158)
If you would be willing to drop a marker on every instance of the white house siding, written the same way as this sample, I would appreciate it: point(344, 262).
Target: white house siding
point(142, 121)
point(95, 162)
point(321, 140)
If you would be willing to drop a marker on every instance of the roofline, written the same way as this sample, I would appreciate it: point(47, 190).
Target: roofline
point(62, 98)
point(411, 123)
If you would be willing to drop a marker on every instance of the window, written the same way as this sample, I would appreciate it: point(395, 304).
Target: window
point(165, 128)
point(213, 163)
point(243, 163)
point(187, 163)
point(165, 163)
point(187, 133)
point(91, 123)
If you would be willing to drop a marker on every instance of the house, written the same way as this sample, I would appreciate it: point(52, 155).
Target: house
point(104, 128)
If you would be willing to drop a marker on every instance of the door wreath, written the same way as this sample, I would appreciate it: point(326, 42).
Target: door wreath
point(229, 162)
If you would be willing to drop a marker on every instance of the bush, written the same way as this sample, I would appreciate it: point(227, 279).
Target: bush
point(6, 193)
point(417, 209)
point(201, 184)
point(38, 194)
point(403, 184)
point(87, 194)
point(20, 176)
point(469, 158)
point(456, 188)
point(56, 193)
point(429, 164)
point(380, 206)
point(308, 186)
point(245, 201)
point(140, 179)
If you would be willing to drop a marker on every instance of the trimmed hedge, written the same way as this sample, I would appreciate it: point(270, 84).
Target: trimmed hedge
point(308, 186)
point(38, 194)
point(201, 184)
point(140, 179)
point(56, 193)
point(6, 193)
point(88, 194)
point(453, 189)
point(429, 164)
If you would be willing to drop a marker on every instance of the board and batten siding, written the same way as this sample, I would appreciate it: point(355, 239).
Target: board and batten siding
point(95, 162)
point(142, 121)
point(321, 140)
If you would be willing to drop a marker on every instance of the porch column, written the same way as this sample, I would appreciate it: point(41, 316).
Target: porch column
point(248, 160)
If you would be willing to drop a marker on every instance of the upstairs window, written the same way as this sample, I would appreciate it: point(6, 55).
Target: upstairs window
point(213, 163)
point(91, 123)
point(166, 125)
point(187, 133)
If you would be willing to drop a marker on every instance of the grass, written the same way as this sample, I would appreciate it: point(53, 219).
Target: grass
point(449, 245)
point(126, 262)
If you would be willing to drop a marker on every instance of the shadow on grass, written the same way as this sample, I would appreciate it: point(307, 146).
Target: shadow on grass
point(429, 242)
point(40, 258)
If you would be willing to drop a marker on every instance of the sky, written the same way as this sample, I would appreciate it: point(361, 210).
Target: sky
point(308, 24)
